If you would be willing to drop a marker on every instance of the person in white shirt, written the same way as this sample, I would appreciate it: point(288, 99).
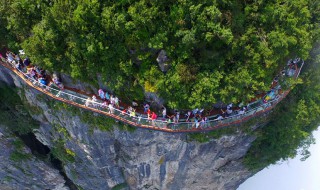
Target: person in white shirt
point(88, 102)
point(164, 112)
point(111, 109)
point(116, 101)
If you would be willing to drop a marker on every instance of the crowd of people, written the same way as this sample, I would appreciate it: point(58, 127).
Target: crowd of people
point(196, 116)
point(32, 71)
point(111, 102)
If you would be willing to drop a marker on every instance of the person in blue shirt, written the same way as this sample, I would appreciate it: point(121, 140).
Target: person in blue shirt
point(42, 81)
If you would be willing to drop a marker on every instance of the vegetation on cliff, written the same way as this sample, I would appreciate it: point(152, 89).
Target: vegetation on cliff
point(226, 50)
point(218, 50)
point(14, 112)
point(289, 132)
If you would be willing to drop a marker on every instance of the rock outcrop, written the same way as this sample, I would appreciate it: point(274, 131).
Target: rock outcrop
point(19, 169)
point(163, 60)
point(134, 159)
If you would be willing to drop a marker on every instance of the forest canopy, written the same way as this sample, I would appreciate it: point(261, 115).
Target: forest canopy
point(218, 50)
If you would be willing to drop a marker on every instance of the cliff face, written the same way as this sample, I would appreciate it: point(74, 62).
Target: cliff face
point(138, 159)
point(19, 169)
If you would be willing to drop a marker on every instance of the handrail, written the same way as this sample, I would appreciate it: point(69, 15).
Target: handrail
point(300, 69)
point(140, 121)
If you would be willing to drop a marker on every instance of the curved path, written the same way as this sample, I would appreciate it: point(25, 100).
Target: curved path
point(79, 100)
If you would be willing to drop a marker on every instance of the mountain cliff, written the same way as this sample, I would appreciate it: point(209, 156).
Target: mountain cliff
point(22, 170)
point(190, 53)
point(99, 153)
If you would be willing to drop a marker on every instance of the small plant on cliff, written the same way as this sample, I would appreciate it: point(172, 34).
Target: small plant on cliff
point(19, 154)
point(120, 186)
point(65, 155)
point(207, 136)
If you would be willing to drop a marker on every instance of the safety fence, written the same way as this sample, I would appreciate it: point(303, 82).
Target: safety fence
point(138, 120)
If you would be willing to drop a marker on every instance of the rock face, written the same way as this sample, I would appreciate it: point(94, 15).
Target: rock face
point(139, 159)
point(19, 169)
point(163, 60)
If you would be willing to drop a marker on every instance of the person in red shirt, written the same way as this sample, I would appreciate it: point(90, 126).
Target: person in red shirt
point(149, 113)
point(153, 116)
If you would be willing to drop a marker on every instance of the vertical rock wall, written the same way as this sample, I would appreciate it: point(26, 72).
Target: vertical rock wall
point(140, 159)
point(19, 169)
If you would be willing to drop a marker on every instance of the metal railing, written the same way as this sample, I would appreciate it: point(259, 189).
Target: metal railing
point(139, 120)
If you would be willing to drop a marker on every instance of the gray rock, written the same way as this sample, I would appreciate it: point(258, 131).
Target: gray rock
point(163, 60)
point(141, 159)
point(27, 173)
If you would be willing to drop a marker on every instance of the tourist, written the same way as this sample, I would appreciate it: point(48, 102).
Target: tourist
point(94, 98)
point(111, 109)
point(129, 110)
point(201, 123)
point(104, 105)
point(112, 100)
point(94, 101)
point(195, 111)
point(174, 118)
point(33, 74)
point(204, 122)
point(200, 111)
point(107, 96)
point(220, 117)
point(164, 112)
point(42, 81)
point(275, 81)
point(116, 101)
point(10, 57)
point(196, 122)
point(134, 104)
point(139, 119)
point(101, 94)
point(57, 82)
point(229, 111)
point(37, 69)
point(17, 58)
point(146, 108)
point(18, 66)
point(133, 113)
point(153, 118)
point(43, 73)
point(177, 117)
point(149, 114)
point(88, 102)
point(123, 112)
point(26, 62)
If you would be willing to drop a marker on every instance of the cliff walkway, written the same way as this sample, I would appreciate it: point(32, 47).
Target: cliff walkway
point(254, 109)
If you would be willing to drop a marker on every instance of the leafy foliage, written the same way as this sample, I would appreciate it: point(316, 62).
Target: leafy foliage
point(289, 132)
point(218, 50)
point(226, 50)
